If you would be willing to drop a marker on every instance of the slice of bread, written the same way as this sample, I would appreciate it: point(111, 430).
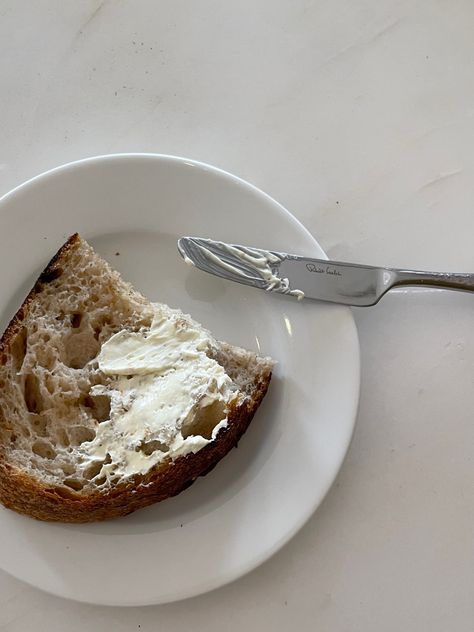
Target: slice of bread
point(75, 444)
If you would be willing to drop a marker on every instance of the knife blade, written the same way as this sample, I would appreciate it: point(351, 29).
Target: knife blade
point(306, 277)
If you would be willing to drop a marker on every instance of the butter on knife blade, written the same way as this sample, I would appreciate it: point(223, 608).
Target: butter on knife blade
point(250, 266)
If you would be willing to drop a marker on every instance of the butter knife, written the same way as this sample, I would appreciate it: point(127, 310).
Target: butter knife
point(304, 277)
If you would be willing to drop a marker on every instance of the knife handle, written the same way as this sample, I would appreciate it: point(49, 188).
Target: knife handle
point(442, 280)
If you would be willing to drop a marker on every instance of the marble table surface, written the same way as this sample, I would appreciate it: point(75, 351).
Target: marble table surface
point(357, 115)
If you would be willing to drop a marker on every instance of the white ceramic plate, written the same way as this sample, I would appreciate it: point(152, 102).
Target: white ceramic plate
point(232, 520)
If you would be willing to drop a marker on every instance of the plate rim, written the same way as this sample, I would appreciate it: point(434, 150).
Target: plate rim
point(237, 573)
point(167, 157)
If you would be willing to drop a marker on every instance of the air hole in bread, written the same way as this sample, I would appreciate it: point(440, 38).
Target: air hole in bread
point(204, 421)
point(98, 406)
point(68, 468)
point(63, 437)
point(92, 471)
point(43, 449)
point(81, 434)
point(33, 399)
point(152, 446)
point(80, 348)
point(18, 348)
point(76, 320)
point(74, 484)
point(50, 383)
point(105, 319)
point(65, 492)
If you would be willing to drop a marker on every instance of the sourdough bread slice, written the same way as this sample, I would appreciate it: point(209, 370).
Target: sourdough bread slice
point(84, 437)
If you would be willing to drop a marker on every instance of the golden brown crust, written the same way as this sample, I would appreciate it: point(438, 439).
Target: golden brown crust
point(28, 495)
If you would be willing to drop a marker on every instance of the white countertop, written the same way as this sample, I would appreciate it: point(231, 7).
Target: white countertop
point(358, 116)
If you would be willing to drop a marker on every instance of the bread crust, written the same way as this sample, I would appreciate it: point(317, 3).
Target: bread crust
point(51, 272)
point(28, 495)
